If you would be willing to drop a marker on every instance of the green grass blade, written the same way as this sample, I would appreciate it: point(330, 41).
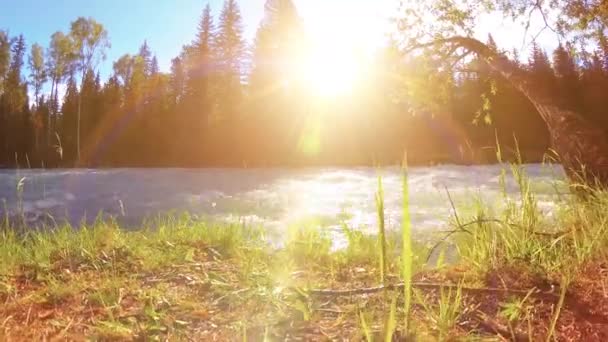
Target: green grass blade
point(391, 322)
point(381, 230)
point(407, 250)
point(367, 331)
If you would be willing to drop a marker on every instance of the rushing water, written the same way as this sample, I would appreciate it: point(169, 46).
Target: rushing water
point(275, 197)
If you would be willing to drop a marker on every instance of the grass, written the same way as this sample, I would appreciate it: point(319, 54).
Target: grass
point(444, 315)
point(519, 275)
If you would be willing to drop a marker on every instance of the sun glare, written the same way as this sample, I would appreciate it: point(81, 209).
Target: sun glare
point(331, 72)
point(334, 65)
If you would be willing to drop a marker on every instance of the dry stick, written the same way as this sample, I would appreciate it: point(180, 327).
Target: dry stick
point(491, 325)
point(432, 286)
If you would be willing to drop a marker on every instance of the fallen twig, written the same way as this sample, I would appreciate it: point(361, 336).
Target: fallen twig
point(491, 325)
point(433, 286)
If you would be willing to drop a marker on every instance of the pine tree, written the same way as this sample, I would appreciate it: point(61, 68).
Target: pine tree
point(201, 73)
point(111, 125)
point(567, 77)
point(230, 58)
point(154, 69)
point(14, 78)
point(277, 48)
point(69, 118)
point(15, 104)
point(178, 81)
point(5, 58)
point(146, 56)
point(540, 66)
point(90, 92)
point(17, 97)
point(40, 121)
point(594, 82)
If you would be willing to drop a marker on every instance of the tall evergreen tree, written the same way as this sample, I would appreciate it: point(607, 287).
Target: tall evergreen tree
point(594, 82)
point(90, 93)
point(69, 119)
point(178, 81)
point(277, 48)
point(230, 47)
point(542, 74)
point(109, 129)
point(567, 77)
point(15, 103)
point(146, 56)
point(154, 69)
point(40, 123)
point(5, 57)
point(201, 74)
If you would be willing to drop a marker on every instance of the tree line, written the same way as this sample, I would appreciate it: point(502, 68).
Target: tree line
point(225, 102)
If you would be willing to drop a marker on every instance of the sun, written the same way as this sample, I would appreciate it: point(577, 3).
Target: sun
point(333, 63)
point(331, 71)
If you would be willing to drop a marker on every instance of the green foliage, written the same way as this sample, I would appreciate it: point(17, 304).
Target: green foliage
point(37, 68)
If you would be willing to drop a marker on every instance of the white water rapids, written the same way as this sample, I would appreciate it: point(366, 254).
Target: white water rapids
point(271, 197)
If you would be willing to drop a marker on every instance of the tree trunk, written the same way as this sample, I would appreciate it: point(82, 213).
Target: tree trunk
point(51, 113)
point(78, 118)
point(581, 147)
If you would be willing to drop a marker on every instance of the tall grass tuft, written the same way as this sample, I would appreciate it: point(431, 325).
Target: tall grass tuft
point(445, 314)
point(382, 231)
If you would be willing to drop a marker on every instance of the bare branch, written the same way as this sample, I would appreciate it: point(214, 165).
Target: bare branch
point(538, 7)
point(459, 59)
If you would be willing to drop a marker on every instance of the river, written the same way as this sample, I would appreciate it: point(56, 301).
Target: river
point(272, 197)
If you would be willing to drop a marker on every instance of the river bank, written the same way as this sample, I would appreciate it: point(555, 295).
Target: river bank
point(516, 276)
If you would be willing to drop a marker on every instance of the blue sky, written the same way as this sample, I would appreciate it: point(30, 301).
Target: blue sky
point(168, 24)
